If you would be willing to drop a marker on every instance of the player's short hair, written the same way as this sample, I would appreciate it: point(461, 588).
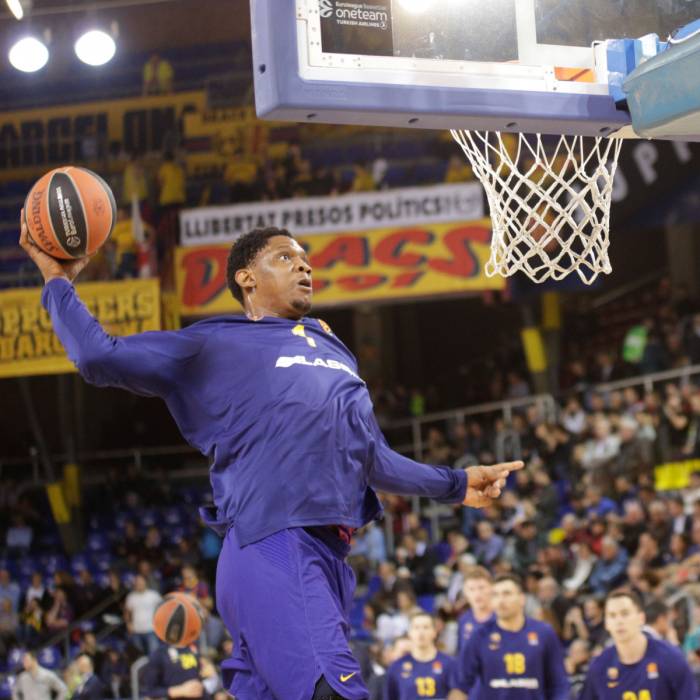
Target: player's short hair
point(420, 613)
point(626, 593)
point(244, 251)
point(513, 578)
point(478, 573)
point(655, 610)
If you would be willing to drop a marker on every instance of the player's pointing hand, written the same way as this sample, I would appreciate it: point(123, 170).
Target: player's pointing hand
point(486, 483)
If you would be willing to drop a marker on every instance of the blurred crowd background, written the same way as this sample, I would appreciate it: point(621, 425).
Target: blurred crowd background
point(611, 439)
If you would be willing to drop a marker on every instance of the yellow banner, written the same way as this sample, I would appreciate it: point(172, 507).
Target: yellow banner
point(36, 140)
point(28, 345)
point(674, 476)
point(393, 263)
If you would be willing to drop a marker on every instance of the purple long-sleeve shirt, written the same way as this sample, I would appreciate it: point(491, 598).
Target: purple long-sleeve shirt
point(276, 405)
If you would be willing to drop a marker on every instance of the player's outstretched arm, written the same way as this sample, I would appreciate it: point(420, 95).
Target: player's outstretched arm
point(146, 363)
point(476, 486)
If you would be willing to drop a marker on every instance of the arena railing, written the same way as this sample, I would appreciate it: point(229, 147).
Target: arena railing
point(64, 636)
point(649, 381)
point(405, 435)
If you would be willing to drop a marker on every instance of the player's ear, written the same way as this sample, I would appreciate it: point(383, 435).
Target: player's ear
point(245, 278)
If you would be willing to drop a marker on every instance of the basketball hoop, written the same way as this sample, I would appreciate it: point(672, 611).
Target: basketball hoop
point(550, 201)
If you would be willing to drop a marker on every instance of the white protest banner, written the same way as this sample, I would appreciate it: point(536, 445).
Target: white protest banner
point(357, 211)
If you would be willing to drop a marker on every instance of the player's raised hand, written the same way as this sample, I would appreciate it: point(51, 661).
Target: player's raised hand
point(49, 267)
point(486, 483)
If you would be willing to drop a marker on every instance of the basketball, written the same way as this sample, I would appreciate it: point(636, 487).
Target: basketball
point(70, 212)
point(178, 620)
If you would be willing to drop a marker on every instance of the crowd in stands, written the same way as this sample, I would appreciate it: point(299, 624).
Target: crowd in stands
point(584, 517)
point(632, 338)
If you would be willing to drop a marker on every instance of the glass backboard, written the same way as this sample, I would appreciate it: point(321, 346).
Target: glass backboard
point(521, 65)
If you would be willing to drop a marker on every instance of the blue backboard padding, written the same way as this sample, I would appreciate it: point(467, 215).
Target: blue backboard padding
point(663, 93)
point(621, 62)
point(281, 94)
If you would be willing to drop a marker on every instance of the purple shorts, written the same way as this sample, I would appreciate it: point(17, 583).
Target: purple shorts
point(286, 600)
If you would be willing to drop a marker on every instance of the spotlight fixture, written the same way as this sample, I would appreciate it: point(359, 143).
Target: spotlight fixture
point(95, 48)
point(15, 7)
point(29, 55)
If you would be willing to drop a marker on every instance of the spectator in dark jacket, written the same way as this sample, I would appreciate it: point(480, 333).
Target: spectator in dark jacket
point(90, 686)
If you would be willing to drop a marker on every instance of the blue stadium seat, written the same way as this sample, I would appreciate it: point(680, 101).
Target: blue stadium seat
point(101, 561)
point(427, 602)
point(97, 542)
point(27, 565)
point(49, 657)
point(122, 518)
point(6, 685)
point(79, 562)
point(357, 612)
point(396, 175)
point(115, 643)
point(96, 523)
point(429, 172)
point(191, 495)
point(14, 658)
point(443, 551)
point(51, 563)
point(176, 534)
point(149, 518)
point(49, 540)
point(173, 516)
point(16, 188)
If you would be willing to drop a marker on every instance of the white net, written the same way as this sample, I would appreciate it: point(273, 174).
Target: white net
point(550, 201)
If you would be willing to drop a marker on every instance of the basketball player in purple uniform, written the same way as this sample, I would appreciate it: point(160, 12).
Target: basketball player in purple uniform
point(274, 400)
point(637, 666)
point(425, 672)
point(477, 590)
point(513, 657)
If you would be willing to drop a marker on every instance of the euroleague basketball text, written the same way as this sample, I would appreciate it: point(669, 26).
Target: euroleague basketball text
point(26, 335)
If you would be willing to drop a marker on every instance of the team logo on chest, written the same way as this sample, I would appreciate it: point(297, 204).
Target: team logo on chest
point(437, 666)
point(325, 326)
point(494, 641)
point(652, 671)
point(532, 639)
point(406, 669)
point(613, 675)
point(301, 332)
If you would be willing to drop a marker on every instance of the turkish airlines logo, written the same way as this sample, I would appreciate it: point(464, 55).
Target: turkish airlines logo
point(326, 8)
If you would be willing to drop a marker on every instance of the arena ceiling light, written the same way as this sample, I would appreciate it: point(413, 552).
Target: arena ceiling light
point(15, 7)
point(95, 48)
point(29, 55)
point(416, 6)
